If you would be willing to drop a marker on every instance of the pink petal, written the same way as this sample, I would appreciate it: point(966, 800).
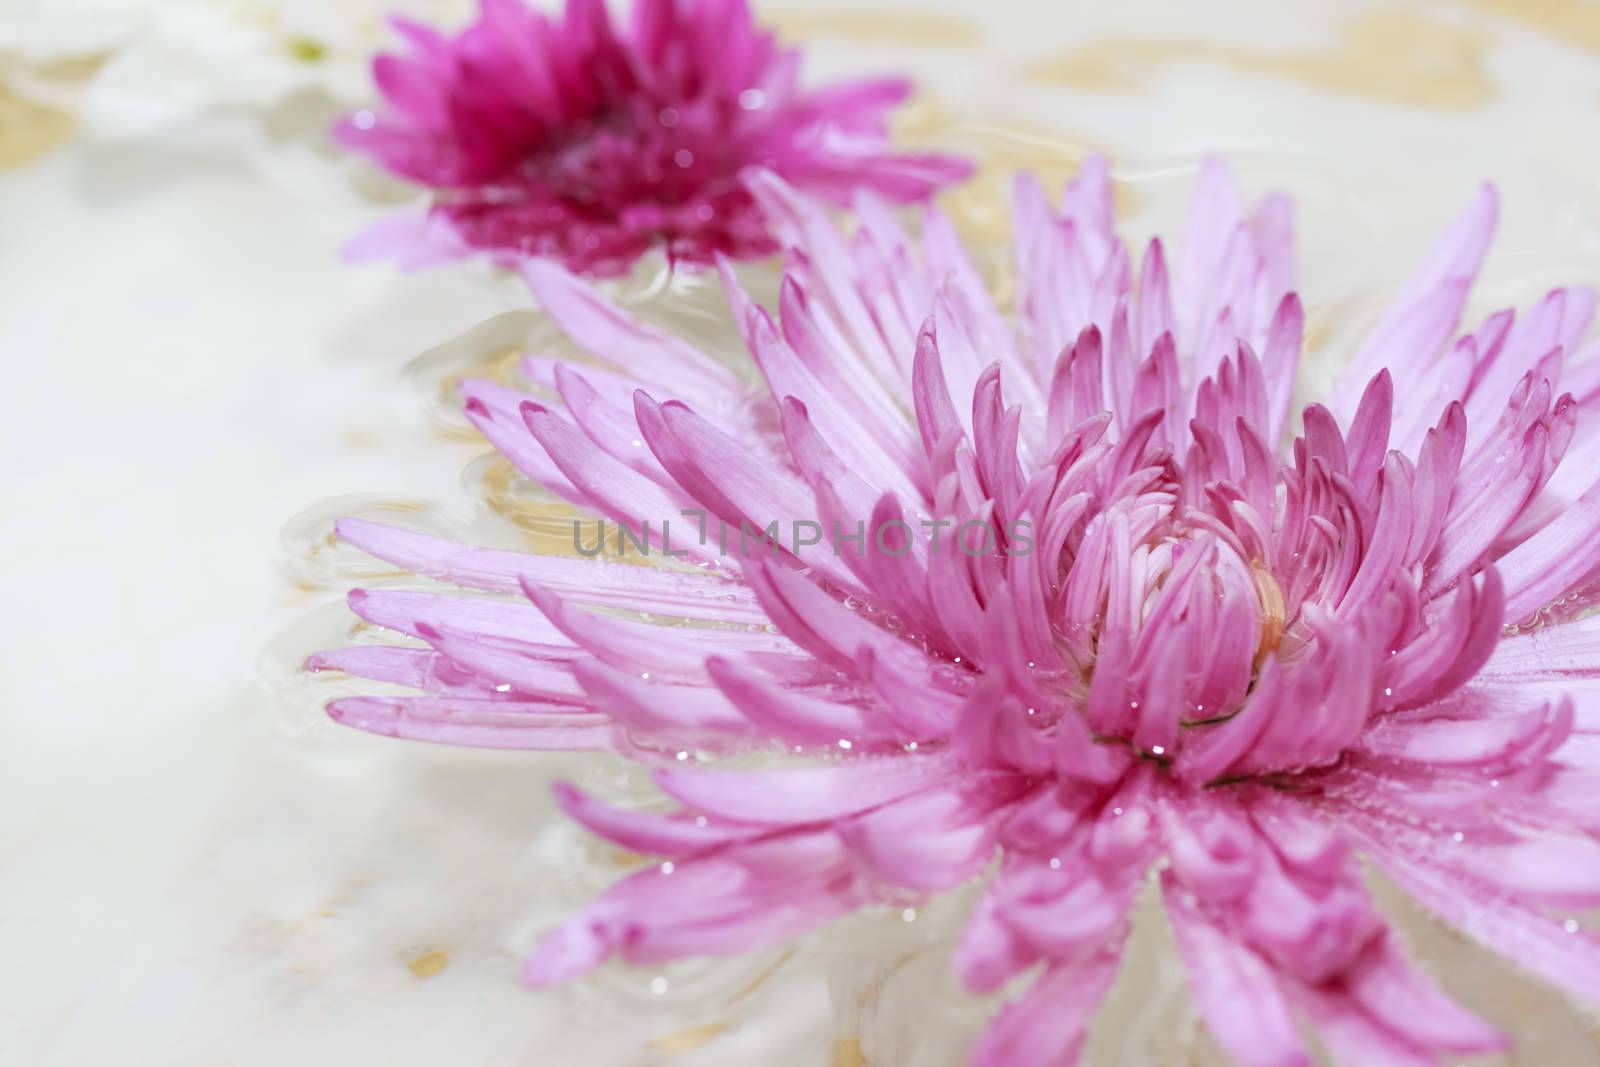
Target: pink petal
point(1236, 991)
point(695, 595)
point(811, 794)
point(1047, 1025)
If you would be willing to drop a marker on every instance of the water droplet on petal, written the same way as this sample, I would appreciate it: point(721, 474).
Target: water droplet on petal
point(658, 986)
point(752, 99)
point(683, 158)
point(668, 117)
point(363, 120)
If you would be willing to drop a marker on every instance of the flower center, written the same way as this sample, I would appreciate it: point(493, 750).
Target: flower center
point(1272, 611)
point(1182, 609)
point(635, 154)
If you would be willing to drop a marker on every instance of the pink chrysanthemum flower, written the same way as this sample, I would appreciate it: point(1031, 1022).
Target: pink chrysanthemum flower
point(1187, 649)
point(569, 140)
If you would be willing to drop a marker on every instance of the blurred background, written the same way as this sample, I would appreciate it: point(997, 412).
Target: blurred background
point(195, 868)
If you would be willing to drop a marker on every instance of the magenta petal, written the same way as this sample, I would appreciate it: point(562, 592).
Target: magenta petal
point(566, 138)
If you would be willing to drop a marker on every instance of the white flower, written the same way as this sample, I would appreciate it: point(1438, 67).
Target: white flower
point(132, 67)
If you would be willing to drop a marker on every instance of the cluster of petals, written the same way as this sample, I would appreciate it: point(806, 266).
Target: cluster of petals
point(572, 139)
point(1243, 650)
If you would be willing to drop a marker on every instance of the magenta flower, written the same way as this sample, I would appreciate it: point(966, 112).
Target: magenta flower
point(568, 140)
point(1149, 640)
